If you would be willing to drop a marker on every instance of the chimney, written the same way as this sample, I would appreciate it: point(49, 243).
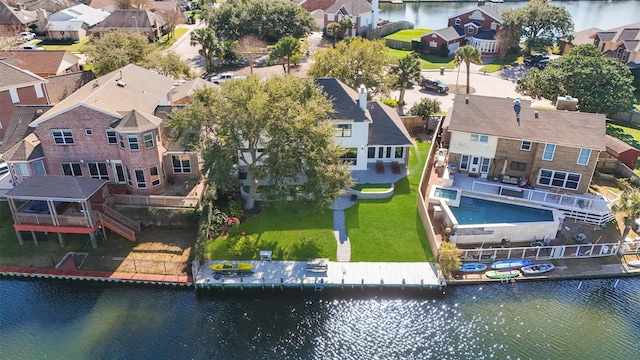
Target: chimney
point(480, 2)
point(375, 15)
point(567, 103)
point(362, 97)
point(517, 108)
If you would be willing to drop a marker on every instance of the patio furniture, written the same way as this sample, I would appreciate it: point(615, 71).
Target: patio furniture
point(379, 167)
point(395, 167)
point(579, 237)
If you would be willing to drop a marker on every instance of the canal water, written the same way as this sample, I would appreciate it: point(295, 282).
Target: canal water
point(596, 319)
point(586, 14)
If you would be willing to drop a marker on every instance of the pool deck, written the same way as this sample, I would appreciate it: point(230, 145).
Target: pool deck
point(294, 274)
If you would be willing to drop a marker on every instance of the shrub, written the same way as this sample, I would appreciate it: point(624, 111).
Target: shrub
point(443, 51)
point(390, 102)
point(235, 209)
point(242, 245)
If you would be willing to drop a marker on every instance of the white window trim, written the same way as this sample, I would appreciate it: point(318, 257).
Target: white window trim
point(62, 136)
point(137, 142)
point(461, 162)
point(580, 155)
point(39, 92)
point(15, 98)
point(115, 135)
point(151, 176)
point(522, 145)
point(100, 176)
point(144, 179)
point(553, 152)
point(551, 179)
point(181, 165)
point(145, 141)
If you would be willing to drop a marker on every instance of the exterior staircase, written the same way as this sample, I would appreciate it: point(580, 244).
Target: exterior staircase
point(117, 222)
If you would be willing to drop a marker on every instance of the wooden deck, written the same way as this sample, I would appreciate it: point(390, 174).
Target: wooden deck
point(272, 274)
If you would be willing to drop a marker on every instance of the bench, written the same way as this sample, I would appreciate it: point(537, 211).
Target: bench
point(513, 180)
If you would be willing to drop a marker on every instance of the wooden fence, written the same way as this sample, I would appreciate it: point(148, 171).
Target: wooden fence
point(390, 28)
point(631, 117)
point(398, 44)
point(155, 200)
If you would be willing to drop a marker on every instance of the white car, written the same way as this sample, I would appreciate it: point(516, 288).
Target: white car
point(32, 47)
point(27, 36)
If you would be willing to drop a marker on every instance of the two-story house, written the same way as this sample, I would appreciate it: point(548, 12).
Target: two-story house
point(548, 149)
point(359, 11)
point(476, 27)
point(621, 43)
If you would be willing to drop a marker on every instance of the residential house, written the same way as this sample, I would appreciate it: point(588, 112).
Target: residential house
point(621, 43)
point(43, 63)
point(108, 130)
point(182, 94)
point(61, 86)
point(18, 87)
point(499, 138)
point(577, 38)
point(618, 149)
point(74, 23)
point(16, 18)
point(359, 11)
point(50, 6)
point(476, 27)
point(144, 22)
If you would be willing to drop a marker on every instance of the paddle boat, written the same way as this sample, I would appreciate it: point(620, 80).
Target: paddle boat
point(634, 263)
point(537, 269)
point(472, 267)
point(509, 264)
point(502, 274)
point(231, 267)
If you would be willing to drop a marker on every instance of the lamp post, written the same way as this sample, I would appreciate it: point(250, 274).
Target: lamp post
point(136, 20)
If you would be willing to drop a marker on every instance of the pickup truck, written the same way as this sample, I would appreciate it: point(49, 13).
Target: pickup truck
point(225, 77)
point(534, 59)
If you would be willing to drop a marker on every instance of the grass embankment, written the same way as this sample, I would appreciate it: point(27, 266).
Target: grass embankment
point(408, 35)
point(390, 230)
point(426, 61)
point(501, 63)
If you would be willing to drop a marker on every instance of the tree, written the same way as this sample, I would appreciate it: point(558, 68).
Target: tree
point(629, 206)
point(268, 20)
point(425, 108)
point(285, 49)
point(171, 18)
point(449, 258)
point(355, 62)
point(250, 46)
point(117, 49)
point(467, 55)
point(333, 30)
point(540, 23)
point(345, 26)
point(601, 84)
point(406, 71)
point(169, 64)
point(506, 39)
point(277, 129)
point(211, 46)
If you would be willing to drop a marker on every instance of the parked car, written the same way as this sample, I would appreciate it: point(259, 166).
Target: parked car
point(32, 47)
point(434, 85)
point(542, 64)
point(534, 59)
point(27, 36)
point(225, 77)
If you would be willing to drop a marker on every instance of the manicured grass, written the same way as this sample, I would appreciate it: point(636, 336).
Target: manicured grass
point(371, 187)
point(390, 230)
point(628, 134)
point(165, 42)
point(69, 47)
point(408, 35)
point(293, 233)
point(426, 62)
point(501, 63)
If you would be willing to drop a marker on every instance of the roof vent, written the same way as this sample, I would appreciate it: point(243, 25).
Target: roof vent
point(466, 100)
point(517, 108)
point(535, 114)
point(121, 83)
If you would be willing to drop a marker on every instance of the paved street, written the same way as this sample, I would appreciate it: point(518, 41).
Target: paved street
point(187, 52)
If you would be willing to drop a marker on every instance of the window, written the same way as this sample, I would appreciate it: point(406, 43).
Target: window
point(71, 169)
point(464, 162)
point(518, 166)
point(62, 137)
point(549, 149)
point(583, 158)
point(350, 157)
point(433, 44)
point(23, 169)
point(88, 132)
point(38, 168)
point(399, 152)
point(181, 164)
point(14, 96)
point(39, 92)
point(526, 145)
point(155, 177)
point(111, 137)
point(380, 152)
point(470, 30)
point(148, 140)
point(342, 130)
point(625, 54)
point(388, 152)
point(457, 21)
point(559, 179)
point(371, 153)
point(121, 140)
point(128, 177)
point(98, 171)
point(479, 138)
point(484, 167)
point(133, 142)
point(140, 181)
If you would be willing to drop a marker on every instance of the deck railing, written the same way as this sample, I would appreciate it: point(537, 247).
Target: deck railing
point(118, 216)
point(155, 200)
point(541, 252)
point(46, 219)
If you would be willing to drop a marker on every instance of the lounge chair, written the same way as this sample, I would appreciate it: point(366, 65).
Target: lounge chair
point(395, 167)
point(379, 167)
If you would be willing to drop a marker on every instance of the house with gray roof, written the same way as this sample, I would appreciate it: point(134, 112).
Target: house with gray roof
point(621, 43)
point(359, 11)
point(143, 22)
point(74, 23)
point(499, 138)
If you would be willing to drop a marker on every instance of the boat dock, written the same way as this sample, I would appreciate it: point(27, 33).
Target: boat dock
point(318, 275)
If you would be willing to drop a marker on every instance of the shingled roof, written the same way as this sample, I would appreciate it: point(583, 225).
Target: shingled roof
point(135, 121)
point(12, 76)
point(26, 149)
point(56, 187)
point(41, 63)
point(387, 127)
point(61, 86)
point(496, 117)
point(352, 7)
point(344, 99)
point(18, 127)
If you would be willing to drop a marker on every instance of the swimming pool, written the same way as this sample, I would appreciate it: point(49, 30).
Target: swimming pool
point(474, 211)
point(449, 194)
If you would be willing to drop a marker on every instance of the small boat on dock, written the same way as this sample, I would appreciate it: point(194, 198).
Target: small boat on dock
point(633, 263)
point(502, 274)
point(510, 264)
point(537, 269)
point(231, 267)
point(472, 267)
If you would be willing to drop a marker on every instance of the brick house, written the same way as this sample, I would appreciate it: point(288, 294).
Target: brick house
point(360, 12)
point(144, 22)
point(476, 27)
point(43, 63)
point(18, 87)
point(109, 130)
point(621, 43)
point(548, 149)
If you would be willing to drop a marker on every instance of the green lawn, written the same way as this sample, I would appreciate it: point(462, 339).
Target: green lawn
point(426, 61)
point(69, 47)
point(165, 43)
point(391, 230)
point(371, 187)
point(500, 63)
point(294, 233)
point(408, 35)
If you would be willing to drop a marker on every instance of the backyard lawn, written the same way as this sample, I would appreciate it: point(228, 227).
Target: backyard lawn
point(293, 233)
point(426, 61)
point(628, 134)
point(75, 47)
point(408, 35)
point(500, 63)
point(390, 230)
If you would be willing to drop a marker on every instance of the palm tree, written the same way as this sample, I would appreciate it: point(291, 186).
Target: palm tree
point(467, 55)
point(211, 46)
point(285, 48)
point(407, 70)
point(629, 206)
point(333, 29)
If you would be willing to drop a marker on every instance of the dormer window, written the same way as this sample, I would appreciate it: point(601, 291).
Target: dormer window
point(457, 21)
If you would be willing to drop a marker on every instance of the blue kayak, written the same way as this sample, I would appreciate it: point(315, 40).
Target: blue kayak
point(510, 264)
point(472, 267)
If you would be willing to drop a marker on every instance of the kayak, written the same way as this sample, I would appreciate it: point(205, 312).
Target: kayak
point(231, 267)
point(537, 269)
point(472, 267)
point(509, 264)
point(502, 274)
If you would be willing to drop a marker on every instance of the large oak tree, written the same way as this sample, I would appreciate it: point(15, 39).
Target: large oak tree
point(277, 129)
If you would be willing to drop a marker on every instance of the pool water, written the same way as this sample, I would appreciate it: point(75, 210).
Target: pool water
point(480, 211)
point(445, 193)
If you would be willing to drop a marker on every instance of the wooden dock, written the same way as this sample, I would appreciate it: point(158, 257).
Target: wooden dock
point(290, 274)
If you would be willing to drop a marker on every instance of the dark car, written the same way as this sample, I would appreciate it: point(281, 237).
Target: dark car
point(534, 59)
point(434, 85)
point(542, 64)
